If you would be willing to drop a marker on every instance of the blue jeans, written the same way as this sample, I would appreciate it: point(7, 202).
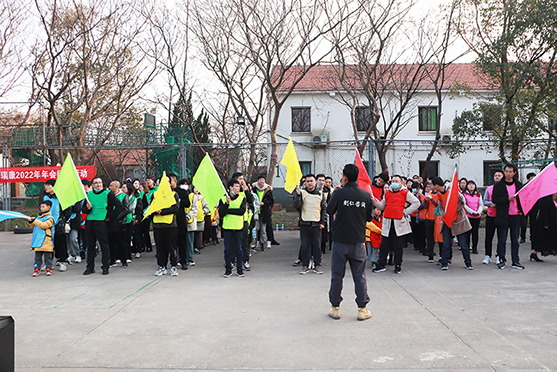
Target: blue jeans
point(229, 237)
point(446, 248)
point(514, 226)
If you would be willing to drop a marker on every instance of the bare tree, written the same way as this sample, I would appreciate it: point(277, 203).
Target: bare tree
point(365, 57)
point(11, 51)
point(88, 68)
point(434, 42)
point(261, 49)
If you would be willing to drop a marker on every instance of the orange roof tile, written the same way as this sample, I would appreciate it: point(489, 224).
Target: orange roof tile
point(325, 77)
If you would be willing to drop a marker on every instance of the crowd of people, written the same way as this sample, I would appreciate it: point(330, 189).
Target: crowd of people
point(403, 211)
point(411, 211)
point(110, 222)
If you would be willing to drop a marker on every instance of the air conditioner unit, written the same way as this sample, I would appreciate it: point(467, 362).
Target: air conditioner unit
point(446, 140)
point(320, 137)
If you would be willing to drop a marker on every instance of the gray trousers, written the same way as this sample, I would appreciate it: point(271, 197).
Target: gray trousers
point(261, 229)
point(355, 255)
point(39, 260)
point(73, 243)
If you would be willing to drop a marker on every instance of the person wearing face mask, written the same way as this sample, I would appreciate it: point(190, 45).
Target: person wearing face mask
point(184, 193)
point(398, 203)
point(101, 208)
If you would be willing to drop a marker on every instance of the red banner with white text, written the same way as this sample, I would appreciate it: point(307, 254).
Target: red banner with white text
point(41, 174)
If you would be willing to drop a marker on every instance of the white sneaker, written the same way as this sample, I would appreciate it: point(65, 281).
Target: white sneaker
point(173, 271)
point(128, 261)
point(138, 255)
point(71, 260)
point(191, 263)
point(160, 272)
point(497, 262)
point(487, 260)
point(268, 244)
point(78, 259)
point(118, 261)
point(63, 266)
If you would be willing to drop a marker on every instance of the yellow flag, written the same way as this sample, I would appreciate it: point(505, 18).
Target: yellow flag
point(293, 170)
point(162, 198)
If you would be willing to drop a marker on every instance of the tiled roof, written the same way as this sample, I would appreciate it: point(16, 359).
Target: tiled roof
point(325, 77)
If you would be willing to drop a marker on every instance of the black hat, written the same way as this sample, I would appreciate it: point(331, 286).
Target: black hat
point(384, 176)
point(50, 182)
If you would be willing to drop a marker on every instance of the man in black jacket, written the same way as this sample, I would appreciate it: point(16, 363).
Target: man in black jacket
point(353, 208)
point(508, 215)
point(102, 207)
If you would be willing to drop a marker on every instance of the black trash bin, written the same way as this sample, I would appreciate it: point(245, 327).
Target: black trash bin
point(7, 339)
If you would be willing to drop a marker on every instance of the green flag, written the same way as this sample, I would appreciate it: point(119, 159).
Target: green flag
point(68, 187)
point(207, 181)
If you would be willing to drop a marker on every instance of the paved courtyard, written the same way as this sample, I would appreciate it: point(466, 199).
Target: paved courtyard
point(276, 319)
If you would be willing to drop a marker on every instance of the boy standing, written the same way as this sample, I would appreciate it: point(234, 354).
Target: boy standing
point(41, 242)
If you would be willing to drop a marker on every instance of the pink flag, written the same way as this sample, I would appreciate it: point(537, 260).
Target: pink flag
point(364, 182)
point(545, 183)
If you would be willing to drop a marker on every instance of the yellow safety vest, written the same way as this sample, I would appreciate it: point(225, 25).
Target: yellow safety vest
point(166, 219)
point(232, 221)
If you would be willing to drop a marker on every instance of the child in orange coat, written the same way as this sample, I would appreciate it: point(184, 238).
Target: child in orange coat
point(373, 236)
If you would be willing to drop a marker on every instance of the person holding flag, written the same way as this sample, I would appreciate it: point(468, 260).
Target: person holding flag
point(508, 212)
point(164, 207)
point(101, 207)
point(455, 221)
point(60, 216)
point(398, 203)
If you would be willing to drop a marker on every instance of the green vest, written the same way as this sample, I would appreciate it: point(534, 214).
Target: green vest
point(243, 194)
point(260, 196)
point(129, 216)
point(232, 221)
point(99, 205)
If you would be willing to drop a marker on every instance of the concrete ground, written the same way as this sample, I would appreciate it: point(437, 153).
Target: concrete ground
point(276, 319)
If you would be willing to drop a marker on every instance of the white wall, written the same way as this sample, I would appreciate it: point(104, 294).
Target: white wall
point(330, 115)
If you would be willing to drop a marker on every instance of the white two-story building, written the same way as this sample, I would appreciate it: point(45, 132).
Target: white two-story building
point(318, 119)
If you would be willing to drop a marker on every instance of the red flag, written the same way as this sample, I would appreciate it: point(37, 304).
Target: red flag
point(364, 182)
point(452, 201)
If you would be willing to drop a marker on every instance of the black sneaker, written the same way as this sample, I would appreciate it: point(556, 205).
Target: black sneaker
point(274, 242)
point(379, 269)
point(398, 269)
point(517, 266)
point(185, 266)
point(469, 266)
point(105, 271)
point(240, 273)
point(444, 266)
point(88, 272)
point(501, 265)
point(227, 273)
